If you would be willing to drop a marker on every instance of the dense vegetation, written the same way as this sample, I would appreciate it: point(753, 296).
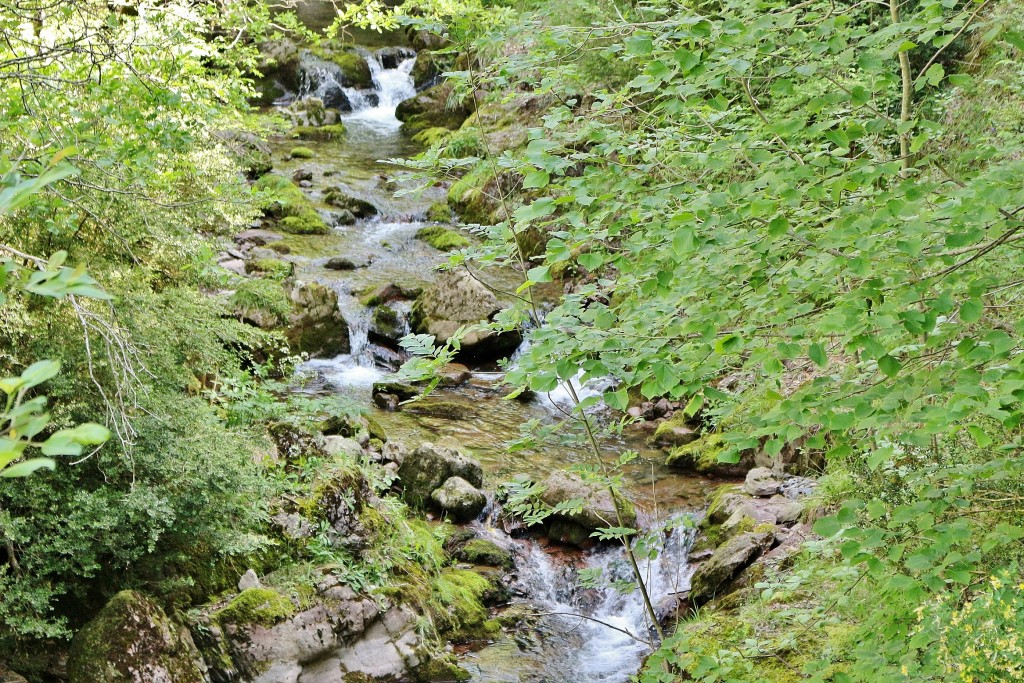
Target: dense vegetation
point(802, 219)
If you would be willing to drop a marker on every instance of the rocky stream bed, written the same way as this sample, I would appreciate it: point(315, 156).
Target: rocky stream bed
point(361, 264)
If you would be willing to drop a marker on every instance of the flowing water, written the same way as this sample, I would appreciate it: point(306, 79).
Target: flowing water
point(608, 645)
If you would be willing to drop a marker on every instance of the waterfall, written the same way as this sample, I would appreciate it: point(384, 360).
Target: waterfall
point(606, 642)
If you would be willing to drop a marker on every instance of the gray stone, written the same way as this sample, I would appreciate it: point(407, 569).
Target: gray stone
point(429, 466)
point(761, 482)
point(460, 499)
point(316, 326)
point(598, 508)
point(132, 640)
point(457, 300)
point(797, 487)
point(729, 560)
point(257, 237)
point(249, 580)
point(236, 266)
point(342, 446)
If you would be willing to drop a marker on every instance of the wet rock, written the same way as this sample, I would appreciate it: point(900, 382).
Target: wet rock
point(728, 560)
point(460, 499)
point(316, 326)
point(761, 483)
point(339, 263)
point(387, 325)
point(458, 300)
point(429, 466)
point(311, 111)
point(386, 401)
point(132, 640)
point(797, 487)
point(598, 509)
point(360, 208)
point(455, 375)
point(383, 294)
point(249, 580)
point(257, 237)
point(430, 109)
point(403, 390)
point(392, 57)
point(341, 218)
point(341, 636)
point(301, 174)
point(675, 431)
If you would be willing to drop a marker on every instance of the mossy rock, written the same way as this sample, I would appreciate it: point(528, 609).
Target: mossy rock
point(132, 640)
point(702, 454)
point(442, 238)
point(430, 137)
point(360, 208)
point(441, 669)
point(273, 268)
point(263, 606)
point(306, 222)
point(301, 153)
point(375, 430)
point(439, 212)
point(355, 69)
point(430, 109)
point(449, 410)
point(675, 431)
point(482, 551)
point(457, 603)
point(335, 131)
point(472, 196)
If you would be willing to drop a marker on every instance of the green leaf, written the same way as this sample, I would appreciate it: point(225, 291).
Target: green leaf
point(536, 179)
point(27, 467)
point(971, 310)
point(889, 365)
point(39, 372)
point(816, 352)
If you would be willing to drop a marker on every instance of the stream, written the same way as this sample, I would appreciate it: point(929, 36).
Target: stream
point(606, 647)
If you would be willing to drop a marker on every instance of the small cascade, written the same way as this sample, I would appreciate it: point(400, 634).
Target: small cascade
point(589, 636)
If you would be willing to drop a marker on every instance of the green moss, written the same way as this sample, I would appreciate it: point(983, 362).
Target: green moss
point(306, 222)
point(284, 200)
point(439, 212)
point(273, 268)
point(263, 606)
point(335, 131)
point(262, 296)
point(441, 668)
point(375, 430)
point(442, 238)
point(301, 153)
point(700, 455)
point(456, 599)
point(354, 68)
point(469, 197)
point(482, 551)
point(429, 137)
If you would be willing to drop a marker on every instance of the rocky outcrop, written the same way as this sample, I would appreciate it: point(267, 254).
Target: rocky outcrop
point(460, 499)
point(316, 326)
point(338, 636)
point(592, 508)
point(431, 109)
point(132, 640)
point(729, 560)
point(425, 474)
point(457, 300)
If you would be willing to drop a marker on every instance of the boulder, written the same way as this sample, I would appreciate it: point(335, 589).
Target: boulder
point(458, 300)
point(339, 263)
point(482, 551)
point(132, 640)
point(429, 466)
point(430, 109)
point(249, 580)
point(728, 560)
point(360, 208)
point(675, 431)
point(316, 326)
point(761, 483)
point(340, 636)
point(392, 57)
point(598, 508)
point(461, 500)
point(257, 237)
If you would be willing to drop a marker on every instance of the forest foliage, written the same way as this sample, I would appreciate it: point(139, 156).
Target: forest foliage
point(820, 203)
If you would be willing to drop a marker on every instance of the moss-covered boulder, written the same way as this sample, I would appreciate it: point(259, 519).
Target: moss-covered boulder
point(360, 208)
point(442, 238)
point(428, 467)
point(459, 499)
point(432, 108)
point(475, 196)
point(439, 212)
point(285, 203)
point(263, 606)
point(132, 640)
point(482, 551)
point(301, 153)
point(701, 455)
point(335, 131)
point(457, 300)
point(713, 576)
point(316, 326)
